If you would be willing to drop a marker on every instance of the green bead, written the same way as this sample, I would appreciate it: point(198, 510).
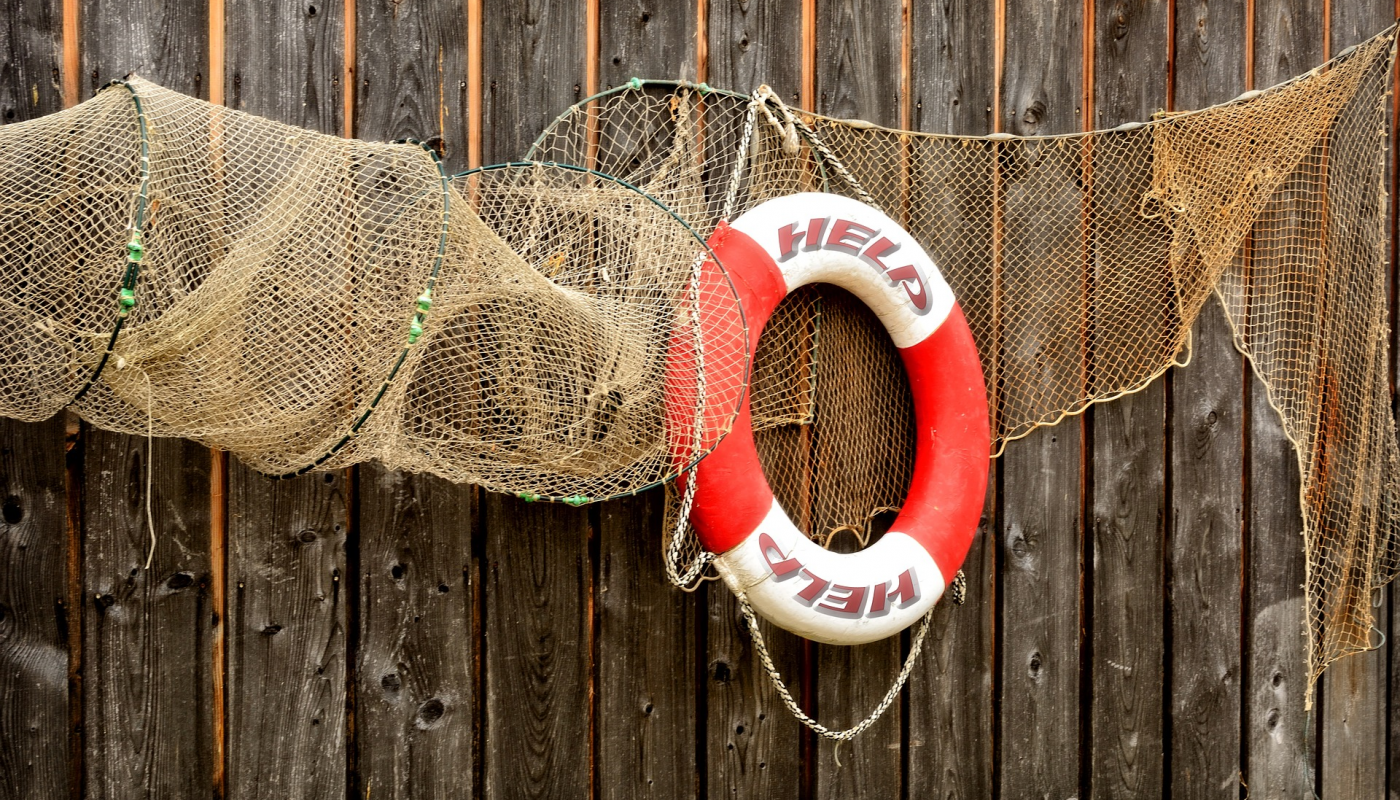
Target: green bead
point(126, 301)
point(635, 83)
point(134, 250)
point(528, 497)
point(705, 88)
point(576, 500)
point(425, 302)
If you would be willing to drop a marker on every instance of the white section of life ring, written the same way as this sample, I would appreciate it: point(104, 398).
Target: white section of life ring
point(835, 598)
point(857, 261)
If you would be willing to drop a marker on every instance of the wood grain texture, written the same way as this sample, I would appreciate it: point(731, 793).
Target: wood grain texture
point(752, 745)
point(1280, 734)
point(286, 628)
point(30, 73)
point(858, 75)
point(415, 718)
point(1127, 614)
point(858, 58)
point(285, 61)
point(411, 74)
point(33, 611)
point(148, 633)
point(1353, 746)
point(950, 743)
point(1393, 697)
point(164, 41)
point(646, 39)
point(538, 650)
point(647, 660)
point(751, 739)
point(416, 709)
point(953, 69)
point(752, 42)
point(1042, 475)
point(286, 565)
point(532, 70)
point(1208, 418)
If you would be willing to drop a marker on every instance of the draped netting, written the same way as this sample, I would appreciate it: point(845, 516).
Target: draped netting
point(307, 302)
point(1081, 262)
point(556, 329)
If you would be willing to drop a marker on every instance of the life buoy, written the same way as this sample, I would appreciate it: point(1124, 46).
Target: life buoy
point(789, 579)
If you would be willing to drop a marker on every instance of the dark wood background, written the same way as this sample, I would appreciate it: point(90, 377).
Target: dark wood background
point(1134, 624)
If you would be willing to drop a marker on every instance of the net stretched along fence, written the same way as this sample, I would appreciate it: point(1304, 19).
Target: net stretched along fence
point(1081, 262)
point(304, 301)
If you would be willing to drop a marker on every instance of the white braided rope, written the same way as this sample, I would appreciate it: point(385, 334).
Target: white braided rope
point(795, 122)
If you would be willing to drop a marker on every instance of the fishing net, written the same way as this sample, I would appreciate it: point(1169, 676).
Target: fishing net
point(546, 329)
point(304, 301)
point(1081, 262)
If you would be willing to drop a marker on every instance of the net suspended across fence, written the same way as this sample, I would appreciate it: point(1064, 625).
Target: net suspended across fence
point(304, 301)
point(307, 302)
point(1081, 262)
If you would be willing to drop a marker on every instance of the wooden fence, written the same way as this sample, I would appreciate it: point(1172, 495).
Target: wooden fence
point(1134, 624)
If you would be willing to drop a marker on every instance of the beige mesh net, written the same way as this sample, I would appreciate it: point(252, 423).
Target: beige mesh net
point(1081, 262)
point(305, 301)
point(309, 302)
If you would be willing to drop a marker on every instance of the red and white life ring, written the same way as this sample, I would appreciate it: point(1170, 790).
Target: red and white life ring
point(857, 597)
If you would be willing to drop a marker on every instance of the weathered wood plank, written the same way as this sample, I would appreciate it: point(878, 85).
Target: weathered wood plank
point(752, 742)
point(646, 39)
point(411, 74)
point(148, 684)
point(285, 60)
point(415, 694)
point(1393, 709)
point(752, 43)
point(1353, 714)
point(34, 612)
point(950, 713)
point(1280, 746)
point(30, 85)
point(858, 75)
point(647, 660)
point(1127, 614)
point(415, 718)
point(538, 583)
point(286, 566)
point(751, 739)
point(1353, 746)
point(538, 579)
point(148, 688)
point(532, 69)
point(1042, 475)
point(165, 42)
point(286, 628)
point(1207, 537)
point(648, 674)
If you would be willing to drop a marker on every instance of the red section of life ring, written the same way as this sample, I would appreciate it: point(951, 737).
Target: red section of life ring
point(857, 597)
